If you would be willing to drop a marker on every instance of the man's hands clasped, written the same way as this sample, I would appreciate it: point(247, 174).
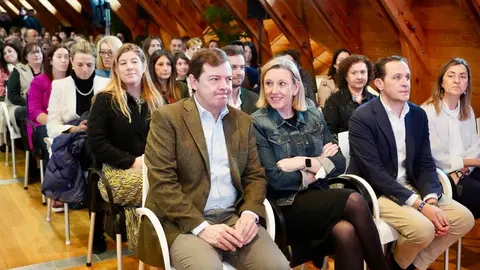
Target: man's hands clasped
point(229, 239)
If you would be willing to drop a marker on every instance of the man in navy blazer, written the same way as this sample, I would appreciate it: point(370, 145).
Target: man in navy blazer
point(390, 148)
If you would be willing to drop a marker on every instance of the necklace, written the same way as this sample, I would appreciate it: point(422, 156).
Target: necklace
point(86, 94)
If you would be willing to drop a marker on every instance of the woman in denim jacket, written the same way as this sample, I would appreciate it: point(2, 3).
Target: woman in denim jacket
point(298, 152)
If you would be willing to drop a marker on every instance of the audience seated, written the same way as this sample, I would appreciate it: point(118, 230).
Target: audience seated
point(307, 79)
point(299, 154)
point(119, 122)
point(107, 47)
point(19, 82)
point(192, 46)
point(328, 85)
point(353, 75)
point(177, 45)
point(182, 64)
point(453, 135)
point(151, 44)
point(213, 44)
point(56, 65)
point(241, 98)
point(9, 57)
point(251, 55)
point(390, 148)
point(207, 186)
point(71, 96)
point(163, 73)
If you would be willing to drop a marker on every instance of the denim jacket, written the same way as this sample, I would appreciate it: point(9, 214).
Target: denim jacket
point(277, 139)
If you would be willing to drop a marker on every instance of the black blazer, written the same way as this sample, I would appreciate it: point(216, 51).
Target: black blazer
point(249, 100)
point(112, 139)
point(373, 152)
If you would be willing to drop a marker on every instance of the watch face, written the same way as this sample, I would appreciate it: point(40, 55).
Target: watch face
point(308, 163)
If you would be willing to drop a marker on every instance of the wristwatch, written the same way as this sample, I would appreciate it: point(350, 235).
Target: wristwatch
point(459, 174)
point(308, 163)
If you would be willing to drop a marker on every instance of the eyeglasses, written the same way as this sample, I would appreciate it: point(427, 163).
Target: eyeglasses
point(35, 52)
point(106, 53)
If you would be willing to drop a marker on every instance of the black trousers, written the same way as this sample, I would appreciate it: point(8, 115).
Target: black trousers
point(468, 192)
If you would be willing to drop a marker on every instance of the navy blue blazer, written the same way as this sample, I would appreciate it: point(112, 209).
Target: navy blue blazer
point(373, 152)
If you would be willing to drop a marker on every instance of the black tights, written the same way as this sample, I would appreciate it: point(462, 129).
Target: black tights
point(356, 238)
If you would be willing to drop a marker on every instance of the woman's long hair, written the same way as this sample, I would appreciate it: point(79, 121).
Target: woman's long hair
point(118, 89)
point(172, 89)
point(438, 91)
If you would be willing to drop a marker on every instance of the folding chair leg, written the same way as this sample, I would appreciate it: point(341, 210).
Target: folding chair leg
point(459, 254)
point(49, 209)
point(446, 260)
point(119, 251)
point(6, 146)
point(27, 164)
point(67, 225)
point(325, 263)
point(141, 265)
point(90, 238)
point(41, 181)
point(14, 161)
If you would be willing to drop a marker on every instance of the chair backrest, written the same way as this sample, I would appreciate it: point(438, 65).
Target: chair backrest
point(344, 146)
point(145, 185)
point(478, 125)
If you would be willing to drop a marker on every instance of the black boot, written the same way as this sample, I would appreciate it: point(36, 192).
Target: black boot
point(99, 243)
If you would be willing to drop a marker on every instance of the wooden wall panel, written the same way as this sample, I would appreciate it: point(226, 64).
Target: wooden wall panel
point(446, 39)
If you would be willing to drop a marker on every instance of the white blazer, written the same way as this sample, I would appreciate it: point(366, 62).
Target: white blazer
point(62, 105)
point(451, 140)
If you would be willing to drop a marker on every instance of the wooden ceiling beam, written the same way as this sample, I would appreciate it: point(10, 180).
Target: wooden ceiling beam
point(409, 28)
point(160, 16)
point(182, 17)
point(13, 14)
point(80, 24)
point(476, 4)
point(472, 12)
point(381, 12)
point(336, 20)
point(292, 28)
point(239, 9)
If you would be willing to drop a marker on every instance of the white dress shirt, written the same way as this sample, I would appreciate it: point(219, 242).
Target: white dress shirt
point(237, 104)
point(452, 140)
point(399, 132)
point(222, 192)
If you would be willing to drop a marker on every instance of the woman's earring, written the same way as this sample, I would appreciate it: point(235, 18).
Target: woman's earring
point(465, 92)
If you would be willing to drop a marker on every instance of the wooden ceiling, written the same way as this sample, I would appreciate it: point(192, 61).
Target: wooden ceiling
point(427, 32)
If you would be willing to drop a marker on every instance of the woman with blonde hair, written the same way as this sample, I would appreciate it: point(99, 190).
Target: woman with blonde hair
point(299, 155)
point(454, 140)
point(119, 122)
point(106, 48)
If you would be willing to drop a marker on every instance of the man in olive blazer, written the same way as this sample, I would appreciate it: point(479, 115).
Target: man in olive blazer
point(182, 157)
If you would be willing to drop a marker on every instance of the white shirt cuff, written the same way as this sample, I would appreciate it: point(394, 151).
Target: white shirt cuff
point(429, 196)
point(304, 180)
point(200, 228)
point(411, 200)
point(321, 174)
point(456, 163)
point(255, 215)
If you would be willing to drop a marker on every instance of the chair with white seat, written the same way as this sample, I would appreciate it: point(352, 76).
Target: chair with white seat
point(14, 134)
point(386, 232)
point(49, 141)
point(143, 211)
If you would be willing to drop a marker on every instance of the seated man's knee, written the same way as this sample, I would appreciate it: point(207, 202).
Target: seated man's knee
point(422, 232)
point(461, 220)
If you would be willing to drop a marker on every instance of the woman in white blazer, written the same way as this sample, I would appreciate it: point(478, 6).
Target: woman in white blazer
point(453, 136)
point(71, 96)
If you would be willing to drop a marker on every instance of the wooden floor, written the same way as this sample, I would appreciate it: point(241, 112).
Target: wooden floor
point(26, 238)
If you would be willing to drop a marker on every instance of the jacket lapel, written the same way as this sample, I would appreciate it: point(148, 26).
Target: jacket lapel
point(386, 127)
point(409, 138)
point(194, 125)
point(230, 129)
